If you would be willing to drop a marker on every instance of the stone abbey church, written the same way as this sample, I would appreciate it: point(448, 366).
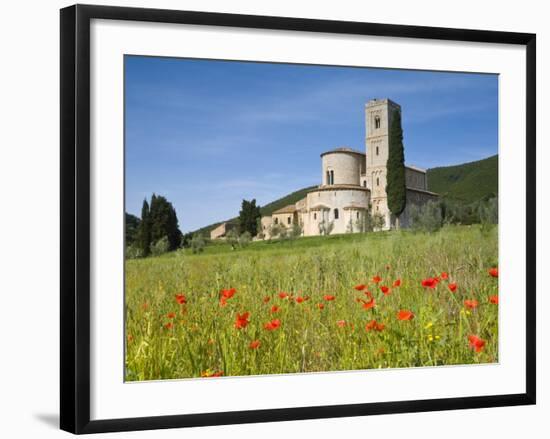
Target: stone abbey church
point(353, 185)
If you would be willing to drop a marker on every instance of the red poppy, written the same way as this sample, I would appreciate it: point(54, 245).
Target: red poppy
point(471, 303)
point(444, 275)
point(430, 282)
point(301, 299)
point(171, 315)
point(267, 299)
point(255, 344)
point(368, 305)
point(208, 374)
point(368, 294)
point(275, 309)
point(181, 299)
point(493, 299)
point(329, 298)
point(476, 343)
point(376, 279)
point(242, 320)
point(223, 301)
point(169, 325)
point(374, 325)
point(397, 283)
point(228, 294)
point(405, 314)
point(320, 305)
point(272, 325)
point(452, 287)
point(493, 272)
point(341, 323)
point(283, 295)
point(385, 290)
point(360, 287)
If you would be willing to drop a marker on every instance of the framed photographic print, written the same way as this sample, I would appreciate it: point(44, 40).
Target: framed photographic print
point(326, 218)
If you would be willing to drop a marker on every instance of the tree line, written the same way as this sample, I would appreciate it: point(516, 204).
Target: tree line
point(156, 232)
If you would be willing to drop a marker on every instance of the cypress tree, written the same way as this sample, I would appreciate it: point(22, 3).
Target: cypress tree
point(164, 222)
point(248, 217)
point(144, 232)
point(396, 185)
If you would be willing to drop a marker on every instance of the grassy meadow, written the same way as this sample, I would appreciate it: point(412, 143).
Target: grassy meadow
point(344, 302)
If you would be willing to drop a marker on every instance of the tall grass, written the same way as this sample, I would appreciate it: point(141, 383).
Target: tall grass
point(201, 339)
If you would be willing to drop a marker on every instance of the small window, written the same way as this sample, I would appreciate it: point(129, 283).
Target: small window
point(357, 215)
point(331, 177)
point(335, 213)
point(377, 181)
point(377, 207)
point(377, 151)
point(315, 215)
point(377, 122)
point(276, 220)
point(288, 220)
point(364, 183)
point(328, 177)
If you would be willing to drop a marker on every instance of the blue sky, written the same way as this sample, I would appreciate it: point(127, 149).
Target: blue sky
point(207, 134)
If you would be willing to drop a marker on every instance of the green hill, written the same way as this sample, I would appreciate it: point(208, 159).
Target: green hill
point(291, 198)
point(468, 182)
point(268, 209)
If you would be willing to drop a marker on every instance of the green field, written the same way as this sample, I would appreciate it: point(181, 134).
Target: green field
point(198, 333)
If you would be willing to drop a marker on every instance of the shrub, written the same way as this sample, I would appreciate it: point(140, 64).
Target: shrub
point(427, 217)
point(325, 228)
point(295, 231)
point(197, 243)
point(488, 214)
point(160, 247)
point(378, 221)
point(232, 238)
point(244, 239)
point(134, 251)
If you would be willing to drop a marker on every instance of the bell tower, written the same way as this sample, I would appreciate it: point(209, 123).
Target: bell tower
point(378, 117)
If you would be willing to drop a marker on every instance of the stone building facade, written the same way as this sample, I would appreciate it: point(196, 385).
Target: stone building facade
point(354, 184)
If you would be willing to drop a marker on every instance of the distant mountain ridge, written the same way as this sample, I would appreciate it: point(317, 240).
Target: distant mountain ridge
point(468, 183)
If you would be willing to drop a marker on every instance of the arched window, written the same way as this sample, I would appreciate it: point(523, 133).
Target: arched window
point(377, 181)
point(377, 151)
point(335, 213)
point(364, 183)
point(377, 122)
point(328, 177)
point(331, 177)
point(276, 221)
point(288, 220)
point(357, 214)
point(314, 215)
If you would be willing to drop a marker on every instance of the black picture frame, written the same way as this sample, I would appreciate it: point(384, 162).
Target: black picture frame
point(75, 217)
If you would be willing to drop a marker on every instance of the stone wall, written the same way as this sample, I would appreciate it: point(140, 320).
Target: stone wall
point(415, 178)
point(347, 167)
point(337, 205)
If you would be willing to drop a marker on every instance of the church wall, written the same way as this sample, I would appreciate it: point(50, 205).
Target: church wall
point(346, 166)
point(333, 199)
point(415, 179)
